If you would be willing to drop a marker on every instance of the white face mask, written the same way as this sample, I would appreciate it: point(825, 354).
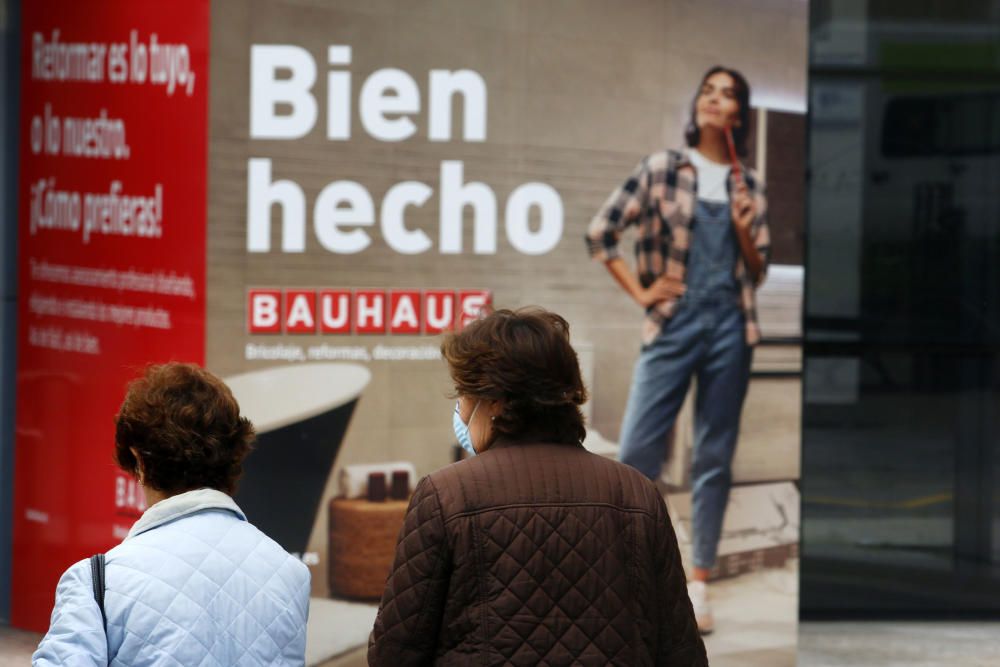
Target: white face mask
point(462, 429)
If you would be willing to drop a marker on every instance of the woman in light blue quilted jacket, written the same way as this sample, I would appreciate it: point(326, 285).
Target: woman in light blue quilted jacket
point(193, 583)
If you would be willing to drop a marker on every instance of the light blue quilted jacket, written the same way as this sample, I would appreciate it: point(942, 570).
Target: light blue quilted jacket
point(193, 585)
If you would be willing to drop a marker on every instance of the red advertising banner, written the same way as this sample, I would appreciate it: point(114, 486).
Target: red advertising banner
point(112, 260)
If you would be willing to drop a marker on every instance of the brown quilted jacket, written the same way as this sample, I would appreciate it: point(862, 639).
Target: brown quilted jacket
point(536, 554)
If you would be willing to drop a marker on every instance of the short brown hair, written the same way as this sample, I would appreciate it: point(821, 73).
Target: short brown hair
point(524, 360)
point(187, 428)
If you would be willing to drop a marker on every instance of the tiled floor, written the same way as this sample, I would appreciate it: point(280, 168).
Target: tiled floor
point(895, 644)
point(756, 618)
point(16, 647)
point(337, 627)
point(743, 640)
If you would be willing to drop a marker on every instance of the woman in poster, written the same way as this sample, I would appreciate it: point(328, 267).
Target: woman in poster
point(701, 252)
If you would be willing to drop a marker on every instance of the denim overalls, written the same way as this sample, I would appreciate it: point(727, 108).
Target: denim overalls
point(706, 339)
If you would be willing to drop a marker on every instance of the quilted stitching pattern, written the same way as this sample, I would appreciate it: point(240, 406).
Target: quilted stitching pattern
point(419, 580)
point(536, 555)
point(568, 566)
point(205, 590)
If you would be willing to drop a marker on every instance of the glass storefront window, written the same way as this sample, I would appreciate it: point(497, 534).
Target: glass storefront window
point(901, 445)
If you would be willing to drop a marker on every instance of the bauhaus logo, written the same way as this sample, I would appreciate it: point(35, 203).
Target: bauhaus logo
point(362, 311)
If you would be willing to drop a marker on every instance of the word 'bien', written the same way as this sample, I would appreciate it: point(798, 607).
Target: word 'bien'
point(371, 311)
point(389, 98)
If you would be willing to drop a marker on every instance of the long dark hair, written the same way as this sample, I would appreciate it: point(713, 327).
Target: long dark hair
point(742, 89)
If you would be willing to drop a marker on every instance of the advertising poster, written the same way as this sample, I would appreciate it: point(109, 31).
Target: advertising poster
point(111, 261)
point(379, 173)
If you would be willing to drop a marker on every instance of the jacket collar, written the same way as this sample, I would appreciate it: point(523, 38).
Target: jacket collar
point(502, 442)
point(183, 504)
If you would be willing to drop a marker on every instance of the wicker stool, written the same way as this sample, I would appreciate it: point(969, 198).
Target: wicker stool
point(362, 543)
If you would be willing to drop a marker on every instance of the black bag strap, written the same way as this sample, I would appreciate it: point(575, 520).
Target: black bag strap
point(97, 576)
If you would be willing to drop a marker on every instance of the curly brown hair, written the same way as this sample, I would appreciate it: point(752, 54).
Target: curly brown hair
point(186, 426)
point(524, 360)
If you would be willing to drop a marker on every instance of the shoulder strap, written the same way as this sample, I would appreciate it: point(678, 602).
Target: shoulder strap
point(97, 576)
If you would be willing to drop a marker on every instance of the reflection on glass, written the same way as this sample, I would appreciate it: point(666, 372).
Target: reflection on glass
point(902, 325)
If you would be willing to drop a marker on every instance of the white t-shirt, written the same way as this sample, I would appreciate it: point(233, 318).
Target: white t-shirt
point(712, 177)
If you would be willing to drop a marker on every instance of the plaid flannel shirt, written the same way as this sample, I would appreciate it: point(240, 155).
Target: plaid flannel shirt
point(659, 199)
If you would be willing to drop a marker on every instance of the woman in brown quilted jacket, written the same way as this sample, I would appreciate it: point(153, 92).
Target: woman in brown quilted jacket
point(533, 551)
